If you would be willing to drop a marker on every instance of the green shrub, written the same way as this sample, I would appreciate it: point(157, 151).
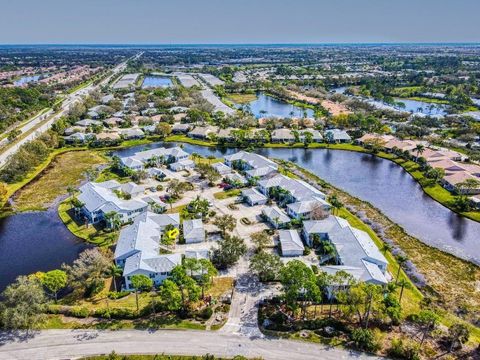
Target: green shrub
point(206, 313)
point(118, 295)
point(116, 313)
point(79, 312)
point(364, 339)
point(94, 287)
point(404, 349)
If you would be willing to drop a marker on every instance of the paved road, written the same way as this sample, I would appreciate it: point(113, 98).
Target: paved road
point(67, 103)
point(68, 344)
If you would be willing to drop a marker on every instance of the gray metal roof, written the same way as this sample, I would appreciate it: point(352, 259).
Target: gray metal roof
point(299, 189)
point(255, 161)
point(354, 247)
point(274, 212)
point(193, 229)
point(253, 195)
point(290, 240)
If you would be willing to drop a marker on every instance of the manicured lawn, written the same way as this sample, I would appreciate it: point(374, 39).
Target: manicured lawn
point(92, 234)
point(65, 170)
point(242, 98)
point(186, 139)
point(221, 195)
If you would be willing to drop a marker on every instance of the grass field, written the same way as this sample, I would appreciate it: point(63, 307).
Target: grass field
point(242, 98)
point(65, 170)
point(226, 194)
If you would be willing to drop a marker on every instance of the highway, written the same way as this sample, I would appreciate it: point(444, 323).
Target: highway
point(42, 123)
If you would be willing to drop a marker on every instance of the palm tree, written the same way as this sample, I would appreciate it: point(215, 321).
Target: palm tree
point(71, 191)
point(115, 271)
point(113, 220)
point(386, 247)
point(336, 204)
point(403, 283)
point(401, 260)
point(419, 149)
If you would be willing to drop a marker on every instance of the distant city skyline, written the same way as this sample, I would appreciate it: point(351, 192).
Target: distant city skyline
point(238, 22)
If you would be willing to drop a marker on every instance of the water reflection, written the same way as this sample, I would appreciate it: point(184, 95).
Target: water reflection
point(36, 241)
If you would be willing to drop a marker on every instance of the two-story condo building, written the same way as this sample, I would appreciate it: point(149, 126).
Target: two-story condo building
point(138, 248)
point(100, 198)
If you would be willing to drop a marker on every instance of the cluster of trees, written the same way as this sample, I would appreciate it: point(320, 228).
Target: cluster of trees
point(24, 302)
point(30, 155)
point(208, 172)
point(19, 103)
point(366, 305)
point(231, 247)
point(186, 285)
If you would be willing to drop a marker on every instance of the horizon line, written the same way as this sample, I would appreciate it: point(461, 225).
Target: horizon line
point(244, 44)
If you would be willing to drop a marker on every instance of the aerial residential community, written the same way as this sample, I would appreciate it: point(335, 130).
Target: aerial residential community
point(302, 200)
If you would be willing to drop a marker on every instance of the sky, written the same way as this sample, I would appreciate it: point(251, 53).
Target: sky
point(237, 21)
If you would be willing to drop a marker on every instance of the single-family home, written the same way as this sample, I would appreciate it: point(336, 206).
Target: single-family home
point(185, 164)
point(221, 168)
point(181, 128)
point(107, 98)
point(254, 197)
point(79, 137)
point(275, 216)
point(193, 231)
point(88, 122)
point(202, 132)
point(290, 243)
point(283, 135)
point(316, 136)
point(132, 133)
point(337, 136)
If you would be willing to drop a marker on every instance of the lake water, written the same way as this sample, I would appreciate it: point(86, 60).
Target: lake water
point(413, 106)
point(382, 183)
point(26, 79)
point(156, 81)
point(267, 106)
point(35, 241)
point(421, 108)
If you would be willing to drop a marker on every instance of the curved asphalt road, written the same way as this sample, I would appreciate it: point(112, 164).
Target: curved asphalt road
point(71, 344)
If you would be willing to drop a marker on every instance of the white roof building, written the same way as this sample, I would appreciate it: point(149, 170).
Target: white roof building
point(193, 231)
point(357, 254)
point(163, 155)
point(99, 199)
point(290, 243)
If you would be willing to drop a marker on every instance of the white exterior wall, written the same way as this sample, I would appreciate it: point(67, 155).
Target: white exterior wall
point(157, 278)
